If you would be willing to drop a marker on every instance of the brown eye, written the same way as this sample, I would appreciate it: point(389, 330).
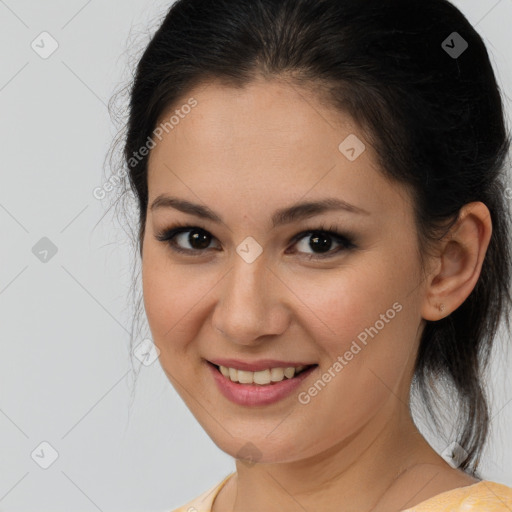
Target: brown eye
point(199, 239)
point(321, 242)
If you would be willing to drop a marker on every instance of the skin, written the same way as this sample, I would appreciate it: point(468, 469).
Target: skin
point(245, 153)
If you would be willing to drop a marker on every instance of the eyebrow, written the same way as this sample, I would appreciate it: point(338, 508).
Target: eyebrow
point(286, 215)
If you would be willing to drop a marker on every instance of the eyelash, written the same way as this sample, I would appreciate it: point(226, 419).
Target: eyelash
point(168, 235)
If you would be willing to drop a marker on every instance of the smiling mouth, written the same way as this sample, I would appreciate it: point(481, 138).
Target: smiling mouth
point(268, 377)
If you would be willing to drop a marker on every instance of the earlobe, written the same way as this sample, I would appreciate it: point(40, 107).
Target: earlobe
point(461, 256)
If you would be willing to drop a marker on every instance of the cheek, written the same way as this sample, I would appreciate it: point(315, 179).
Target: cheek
point(167, 294)
point(365, 332)
point(174, 297)
point(342, 304)
point(365, 323)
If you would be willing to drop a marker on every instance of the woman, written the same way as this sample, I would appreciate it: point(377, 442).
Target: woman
point(324, 227)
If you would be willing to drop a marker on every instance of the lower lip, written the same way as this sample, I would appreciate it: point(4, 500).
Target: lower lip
point(255, 394)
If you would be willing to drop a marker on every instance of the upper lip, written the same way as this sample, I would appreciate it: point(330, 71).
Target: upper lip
point(256, 366)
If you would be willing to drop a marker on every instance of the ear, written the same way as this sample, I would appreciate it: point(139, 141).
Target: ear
point(458, 263)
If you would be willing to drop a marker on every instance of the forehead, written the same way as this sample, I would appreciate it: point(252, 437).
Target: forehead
point(269, 141)
point(276, 113)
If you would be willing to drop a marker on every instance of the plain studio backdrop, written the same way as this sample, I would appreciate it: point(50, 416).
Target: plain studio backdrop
point(72, 436)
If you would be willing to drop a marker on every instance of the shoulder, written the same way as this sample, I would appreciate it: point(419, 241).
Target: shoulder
point(204, 502)
point(484, 495)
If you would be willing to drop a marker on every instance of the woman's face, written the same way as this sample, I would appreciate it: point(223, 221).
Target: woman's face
point(246, 288)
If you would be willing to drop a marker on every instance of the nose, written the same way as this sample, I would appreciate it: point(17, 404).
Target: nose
point(251, 303)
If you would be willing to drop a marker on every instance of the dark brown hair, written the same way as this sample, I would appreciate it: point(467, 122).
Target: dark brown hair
point(435, 120)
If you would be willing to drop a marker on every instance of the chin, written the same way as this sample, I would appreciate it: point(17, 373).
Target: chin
point(259, 449)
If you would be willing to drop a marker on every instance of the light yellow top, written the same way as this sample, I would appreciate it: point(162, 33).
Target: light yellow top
point(484, 496)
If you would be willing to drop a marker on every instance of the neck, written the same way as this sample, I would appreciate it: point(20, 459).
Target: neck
point(359, 472)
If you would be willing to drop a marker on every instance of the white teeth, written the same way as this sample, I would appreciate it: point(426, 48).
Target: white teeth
point(276, 374)
point(245, 377)
point(289, 372)
point(263, 377)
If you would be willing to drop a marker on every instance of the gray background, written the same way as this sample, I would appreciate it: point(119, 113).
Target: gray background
point(66, 375)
